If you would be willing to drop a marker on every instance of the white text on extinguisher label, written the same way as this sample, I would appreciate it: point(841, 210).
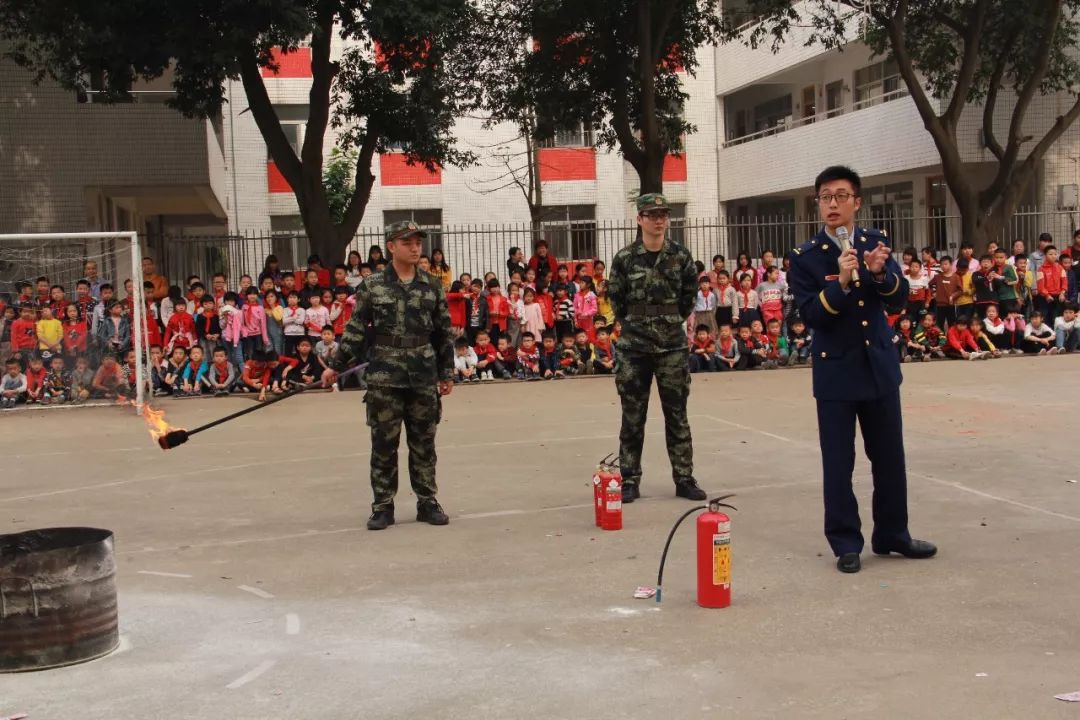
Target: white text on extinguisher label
point(722, 558)
point(613, 505)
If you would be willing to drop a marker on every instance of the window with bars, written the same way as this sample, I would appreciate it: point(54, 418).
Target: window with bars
point(834, 99)
point(580, 135)
point(878, 83)
point(570, 230)
point(430, 220)
point(677, 228)
point(772, 113)
point(890, 208)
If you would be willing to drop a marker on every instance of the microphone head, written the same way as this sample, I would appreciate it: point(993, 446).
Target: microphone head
point(842, 232)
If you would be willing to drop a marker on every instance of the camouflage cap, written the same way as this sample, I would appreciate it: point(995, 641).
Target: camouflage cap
point(403, 229)
point(651, 201)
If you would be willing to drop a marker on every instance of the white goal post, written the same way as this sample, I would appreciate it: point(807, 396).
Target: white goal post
point(62, 256)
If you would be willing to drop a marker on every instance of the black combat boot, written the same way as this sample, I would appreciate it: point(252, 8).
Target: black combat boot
point(631, 491)
point(688, 488)
point(381, 519)
point(431, 512)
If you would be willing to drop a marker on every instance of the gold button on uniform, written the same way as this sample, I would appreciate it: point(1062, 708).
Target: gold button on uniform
point(867, 343)
point(861, 303)
point(865, 323)
point(823, 355)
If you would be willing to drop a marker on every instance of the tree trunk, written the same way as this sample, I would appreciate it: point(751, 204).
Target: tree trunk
point(651, 174)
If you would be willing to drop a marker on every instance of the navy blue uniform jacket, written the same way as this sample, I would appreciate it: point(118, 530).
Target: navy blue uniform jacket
point(854, 356)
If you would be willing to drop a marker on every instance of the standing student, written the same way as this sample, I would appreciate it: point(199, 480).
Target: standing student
point(412, 365)
point(585, 308)
point(856, 370)
point(532, 317)
point(705, 305)
point(1052, 286)
point(652, 285)
point(727, 305)
point(945, 288)
point(918, 300)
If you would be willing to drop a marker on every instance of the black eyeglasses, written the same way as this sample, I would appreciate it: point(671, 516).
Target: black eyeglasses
point(840, 197)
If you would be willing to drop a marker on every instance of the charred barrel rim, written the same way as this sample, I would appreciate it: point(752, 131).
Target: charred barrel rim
point(58, 587)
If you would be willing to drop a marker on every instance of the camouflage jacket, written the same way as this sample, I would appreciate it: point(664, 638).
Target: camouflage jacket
point(392, 308)
point(671, 282)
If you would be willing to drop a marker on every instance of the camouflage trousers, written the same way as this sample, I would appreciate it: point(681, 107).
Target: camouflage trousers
point(633, 379)
point(388, 408)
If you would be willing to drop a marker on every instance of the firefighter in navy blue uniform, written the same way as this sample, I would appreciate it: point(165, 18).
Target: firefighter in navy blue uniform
point(856, 370)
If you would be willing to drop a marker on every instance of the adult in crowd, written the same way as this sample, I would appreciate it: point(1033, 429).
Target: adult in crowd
point(150, 274)
point(1073, 250)
point(314, 262)
point(90, 272)
point(543, 262)
point(271, 269)
point(845, 282)
point(375, 256)
point(353, 274)
point(516, 262)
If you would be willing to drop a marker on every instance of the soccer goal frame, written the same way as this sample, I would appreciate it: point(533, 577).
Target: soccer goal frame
point(138, 328)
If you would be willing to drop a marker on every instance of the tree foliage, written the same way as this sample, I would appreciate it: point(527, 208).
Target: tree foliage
point(612, 64)
point(952, 54)
point(398, 84)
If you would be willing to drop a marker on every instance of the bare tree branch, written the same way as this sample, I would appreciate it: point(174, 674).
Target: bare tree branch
point(971, 38)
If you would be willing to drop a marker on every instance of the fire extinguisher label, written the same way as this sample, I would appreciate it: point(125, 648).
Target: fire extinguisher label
point(722, 559)
point(613, 505)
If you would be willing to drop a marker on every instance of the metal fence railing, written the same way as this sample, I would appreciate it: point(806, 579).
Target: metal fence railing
point(480, 248)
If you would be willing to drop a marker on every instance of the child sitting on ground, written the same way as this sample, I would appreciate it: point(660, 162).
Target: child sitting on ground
point(549, 358)
point(960, 343)
point(750, 349)
point(506, 355)
point(1067, 329)
point(568, 357)
point(798, 342)
point(464, 362)
point(585, 353)
point(982, 340)
point(929, 335)
point(57, 382)
point(757, 332)
point(529, 357)
point(702, 350)
point(35, 380)
point(1038, 337)
point(82, 380)
point(13, 385)
point(256, 375)
point(778, 348)
point(109, 380)
point(604, 362)
point(220, 376)
point(191, 378)
point(727, 350)
point(487, 362)
point(172, 372)
point(908, 348)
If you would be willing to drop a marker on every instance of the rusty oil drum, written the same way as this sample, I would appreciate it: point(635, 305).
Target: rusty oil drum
point(57, 598)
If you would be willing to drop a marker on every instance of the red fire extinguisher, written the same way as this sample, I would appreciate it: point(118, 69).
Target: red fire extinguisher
point(611, 519)
point(606, 471)
point(713, 554)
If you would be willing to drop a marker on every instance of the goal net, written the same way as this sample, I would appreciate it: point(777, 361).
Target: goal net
point(46, 270)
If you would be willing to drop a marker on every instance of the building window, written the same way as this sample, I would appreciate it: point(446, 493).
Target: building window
point(570, 230)
point(288, 240)
point(294, 133)
point(878, 83)
point(834, 99)
point(936, 207)
point(429, 220)
point(677, 228)
point(579, 135)
point(775, 113)
point(890, 208)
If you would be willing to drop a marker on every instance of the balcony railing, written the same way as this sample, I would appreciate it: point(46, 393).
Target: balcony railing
point(817, 117)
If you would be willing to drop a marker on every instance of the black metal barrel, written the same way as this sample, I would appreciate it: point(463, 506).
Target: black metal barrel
point(57, 598)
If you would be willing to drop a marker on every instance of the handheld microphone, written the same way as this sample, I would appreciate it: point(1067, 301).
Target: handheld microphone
point(845, 244)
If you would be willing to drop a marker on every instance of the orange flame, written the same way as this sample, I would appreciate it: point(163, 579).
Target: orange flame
point(155, 420)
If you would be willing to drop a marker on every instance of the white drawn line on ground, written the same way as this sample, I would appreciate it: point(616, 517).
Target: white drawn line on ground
point(292, 624)
point(258, 592)
point(163, 574)
point(308, 459)
point(494, 513)
point(922, 476)
point(251, 674)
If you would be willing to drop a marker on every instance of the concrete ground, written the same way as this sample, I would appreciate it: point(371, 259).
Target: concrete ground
point(249, 588)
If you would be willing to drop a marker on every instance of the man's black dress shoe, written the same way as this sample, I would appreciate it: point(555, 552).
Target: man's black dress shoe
point(849, 563)
point(917, 549)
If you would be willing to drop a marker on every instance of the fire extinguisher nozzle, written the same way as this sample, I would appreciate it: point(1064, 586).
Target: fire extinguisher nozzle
point(658, 593)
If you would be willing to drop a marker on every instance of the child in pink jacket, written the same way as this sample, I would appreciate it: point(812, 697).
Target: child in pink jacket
point(253, 333)
point(585, 307)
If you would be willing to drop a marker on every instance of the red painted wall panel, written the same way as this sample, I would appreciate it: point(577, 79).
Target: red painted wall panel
point(393, 170)
point(295, 64)
point(675, 168)
point(559, 164)
point(275, 181)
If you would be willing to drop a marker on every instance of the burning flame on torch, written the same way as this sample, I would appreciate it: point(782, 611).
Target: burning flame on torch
point(155, 421)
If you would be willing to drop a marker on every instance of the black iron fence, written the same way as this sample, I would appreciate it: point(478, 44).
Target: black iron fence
point(477, 249)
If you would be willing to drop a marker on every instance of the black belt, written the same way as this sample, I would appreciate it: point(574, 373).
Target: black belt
point(405, 342)
point(654, 310)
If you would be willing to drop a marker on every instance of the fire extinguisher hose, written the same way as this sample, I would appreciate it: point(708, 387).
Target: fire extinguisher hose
point(714, 504)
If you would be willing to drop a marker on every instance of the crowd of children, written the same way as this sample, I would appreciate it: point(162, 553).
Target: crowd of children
point(549, 322)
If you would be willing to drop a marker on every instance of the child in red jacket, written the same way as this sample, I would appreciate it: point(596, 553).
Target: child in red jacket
point(604, 362)
point(455, 301)
point(498, 311)
point(960, 343)
point(1051, 285)
point(180, 331)
point(24, 334)
point(487, 360)
point(75, 333)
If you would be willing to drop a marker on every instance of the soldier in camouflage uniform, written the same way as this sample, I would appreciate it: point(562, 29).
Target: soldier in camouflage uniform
point(652, 287)
point(411, 364)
